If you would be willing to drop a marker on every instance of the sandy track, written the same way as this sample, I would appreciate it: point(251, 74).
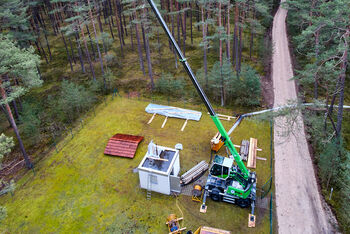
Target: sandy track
point(299, 206)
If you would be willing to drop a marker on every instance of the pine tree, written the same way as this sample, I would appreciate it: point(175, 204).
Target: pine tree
point(21, 65)
point(6, 143)
point(14, 22)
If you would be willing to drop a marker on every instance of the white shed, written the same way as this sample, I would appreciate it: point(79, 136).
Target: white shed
point(159, 171)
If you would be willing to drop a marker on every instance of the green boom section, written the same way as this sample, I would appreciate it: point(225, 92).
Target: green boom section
point(230, 146)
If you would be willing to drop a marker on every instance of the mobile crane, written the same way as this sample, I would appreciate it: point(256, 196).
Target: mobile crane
point(227, 181)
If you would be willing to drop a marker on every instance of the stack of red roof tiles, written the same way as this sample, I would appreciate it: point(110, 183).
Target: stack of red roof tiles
point(123, 145)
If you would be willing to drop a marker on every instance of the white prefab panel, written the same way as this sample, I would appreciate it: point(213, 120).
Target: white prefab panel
point(143, 179)
point(228, 162)
point(176, 166)
point(159, 183)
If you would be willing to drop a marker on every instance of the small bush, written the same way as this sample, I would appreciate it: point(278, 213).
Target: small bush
point(3, 213)
point(30, 122)
point(168, 85)
point(71, 102)
point(245, 89)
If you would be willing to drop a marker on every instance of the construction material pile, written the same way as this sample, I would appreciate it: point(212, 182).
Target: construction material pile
point(194, 173)
point(174, 112)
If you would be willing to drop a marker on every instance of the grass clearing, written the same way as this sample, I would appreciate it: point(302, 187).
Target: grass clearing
point(80, 189)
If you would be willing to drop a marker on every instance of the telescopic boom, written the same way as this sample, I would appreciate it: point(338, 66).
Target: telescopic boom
point(220, 127)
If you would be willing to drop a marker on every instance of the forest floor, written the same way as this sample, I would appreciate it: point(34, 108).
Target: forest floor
point(79, 189)
point(299, 205)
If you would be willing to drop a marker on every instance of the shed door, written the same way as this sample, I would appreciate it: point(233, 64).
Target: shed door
point(175, 184)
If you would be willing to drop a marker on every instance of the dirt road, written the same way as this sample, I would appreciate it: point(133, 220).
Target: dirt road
point(299, 206)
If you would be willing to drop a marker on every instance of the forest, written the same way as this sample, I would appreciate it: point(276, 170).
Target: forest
point(61, 59)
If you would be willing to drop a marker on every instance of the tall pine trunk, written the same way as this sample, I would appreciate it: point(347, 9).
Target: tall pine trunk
point(228, 32)
point(191, 5)
point(97, 45)
point(72, 50)
point(67, 51)
point(139, 46)
point(131, 36)
point(80, 53)
point(252, 32)
point(117, 20)
point(220, 58)
point(235, 40)
point(88, 54)
point(317, 44)
point(344, 60)
point(149, 64)
point(204, 28)
point(148, 52)
point(15, 129)
point(91, 44)
point(173, 31)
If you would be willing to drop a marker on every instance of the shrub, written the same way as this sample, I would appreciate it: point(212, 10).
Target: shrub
point(72, 100)
point(245, 89)
point(30, 122)
point(168, 85)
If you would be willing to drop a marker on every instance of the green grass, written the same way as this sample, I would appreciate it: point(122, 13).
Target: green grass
point(80, 189)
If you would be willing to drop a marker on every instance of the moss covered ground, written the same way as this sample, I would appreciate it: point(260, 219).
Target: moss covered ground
point(79, 189)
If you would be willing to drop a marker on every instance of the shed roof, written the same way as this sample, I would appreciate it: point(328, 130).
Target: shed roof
point(160, 165)
point(123, 145)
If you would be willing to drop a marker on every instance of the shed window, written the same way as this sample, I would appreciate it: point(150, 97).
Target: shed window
point(153, 179)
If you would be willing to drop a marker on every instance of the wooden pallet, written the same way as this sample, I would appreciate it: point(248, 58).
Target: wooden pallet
point(253, 143)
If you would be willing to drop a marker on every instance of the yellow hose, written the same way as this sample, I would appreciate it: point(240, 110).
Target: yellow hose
point(182, 214)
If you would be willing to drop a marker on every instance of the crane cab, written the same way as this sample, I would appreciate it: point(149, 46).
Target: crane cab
point(221, 167)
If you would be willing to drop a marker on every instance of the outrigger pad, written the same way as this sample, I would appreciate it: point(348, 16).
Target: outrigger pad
point(203, 209)
point(251, 220)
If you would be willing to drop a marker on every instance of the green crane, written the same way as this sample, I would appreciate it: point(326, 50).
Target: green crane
point(226, 181)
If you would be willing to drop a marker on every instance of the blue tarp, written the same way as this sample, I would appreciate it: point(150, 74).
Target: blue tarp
point(174, 112)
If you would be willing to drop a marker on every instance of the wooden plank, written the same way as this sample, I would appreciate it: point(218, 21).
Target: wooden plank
point(252, 153)
point(160, 159)
point(225, 117)
point(166, 118)
point(264, 159)
point(150, 121)
point(183, 127)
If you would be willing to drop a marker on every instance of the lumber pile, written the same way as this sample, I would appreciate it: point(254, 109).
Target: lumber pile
point(253, 143)
point(244, 150)
point(194, 173)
